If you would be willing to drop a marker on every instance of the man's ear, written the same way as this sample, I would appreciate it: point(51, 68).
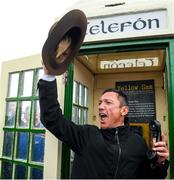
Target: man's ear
point(124, 110)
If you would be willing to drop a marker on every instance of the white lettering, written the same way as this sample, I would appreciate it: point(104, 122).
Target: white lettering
point(129, 63)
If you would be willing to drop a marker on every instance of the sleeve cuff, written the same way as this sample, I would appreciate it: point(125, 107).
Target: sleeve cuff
point(48, 77)
point(164, 165)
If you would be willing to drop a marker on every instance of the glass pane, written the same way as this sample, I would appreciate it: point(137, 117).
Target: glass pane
point(81, 94)
point(36, 173)
point(36, 117)
point(13, 85)
point(39, 74)
point(6, 172)
point(27, 83)
point(75, 92)
point(20, 171)
point(38, 144)
point(86, 97)
point(10, 114)
point(71, 160)
point(8, 144)
point(24, 118)
point(85, 116)
point(80, 116)
point(72, 154)
point(22, 145)
point(75, 114)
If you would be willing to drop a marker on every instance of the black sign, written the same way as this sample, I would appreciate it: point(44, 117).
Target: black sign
point(141, 99)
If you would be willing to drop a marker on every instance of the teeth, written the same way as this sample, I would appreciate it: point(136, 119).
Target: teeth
point(102, 115)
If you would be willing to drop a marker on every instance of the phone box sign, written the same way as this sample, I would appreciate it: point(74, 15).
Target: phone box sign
point(141, 99)
point(126, 25)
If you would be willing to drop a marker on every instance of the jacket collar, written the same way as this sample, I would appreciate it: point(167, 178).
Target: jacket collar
point(109, 134)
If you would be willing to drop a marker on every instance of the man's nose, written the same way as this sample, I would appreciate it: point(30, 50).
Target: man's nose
point(101, 106)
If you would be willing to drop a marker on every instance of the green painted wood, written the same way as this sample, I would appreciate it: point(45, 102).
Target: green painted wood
point(65, 165)
point(170, 95)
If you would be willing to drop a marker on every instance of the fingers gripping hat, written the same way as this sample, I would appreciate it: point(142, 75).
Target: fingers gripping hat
point(64, 40)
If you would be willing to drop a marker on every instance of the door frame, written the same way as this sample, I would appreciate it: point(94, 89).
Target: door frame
point(121, 46)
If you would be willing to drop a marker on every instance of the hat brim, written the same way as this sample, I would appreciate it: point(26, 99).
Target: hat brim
point(73, 24)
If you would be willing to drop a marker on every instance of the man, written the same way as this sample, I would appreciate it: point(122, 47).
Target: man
point(111, 151)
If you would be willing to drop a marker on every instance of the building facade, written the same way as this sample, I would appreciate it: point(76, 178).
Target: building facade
point(128, 46)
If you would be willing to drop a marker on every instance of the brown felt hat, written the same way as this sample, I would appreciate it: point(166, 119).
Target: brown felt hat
point(72, 25)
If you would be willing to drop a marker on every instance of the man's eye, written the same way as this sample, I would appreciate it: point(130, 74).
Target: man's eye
point(108, 102)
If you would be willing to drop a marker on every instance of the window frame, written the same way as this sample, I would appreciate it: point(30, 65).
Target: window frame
point(33, 98)
point(80, 107)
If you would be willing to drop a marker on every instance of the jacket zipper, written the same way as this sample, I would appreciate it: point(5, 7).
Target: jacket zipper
point(119, 152)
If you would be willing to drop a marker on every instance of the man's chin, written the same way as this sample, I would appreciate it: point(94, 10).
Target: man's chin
point(103, 125)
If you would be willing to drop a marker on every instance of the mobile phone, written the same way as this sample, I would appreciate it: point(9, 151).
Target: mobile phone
point(155, 131)
point(155, 128)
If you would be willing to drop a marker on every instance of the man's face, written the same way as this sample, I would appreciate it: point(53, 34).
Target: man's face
point(110, 111)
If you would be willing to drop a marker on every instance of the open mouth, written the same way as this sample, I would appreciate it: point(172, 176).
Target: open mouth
point(103, 116)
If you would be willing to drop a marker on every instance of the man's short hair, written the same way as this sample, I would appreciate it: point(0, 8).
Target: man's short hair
point(121, 96)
